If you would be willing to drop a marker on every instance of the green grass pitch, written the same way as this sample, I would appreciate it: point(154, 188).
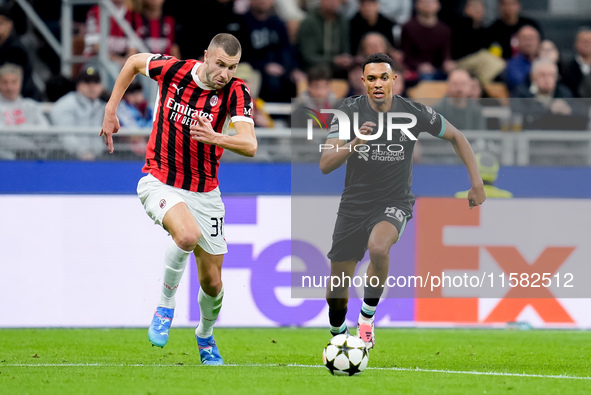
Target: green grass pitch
point(287, 361)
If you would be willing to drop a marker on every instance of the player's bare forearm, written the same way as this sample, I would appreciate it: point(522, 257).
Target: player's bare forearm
point(244, 142)
point(334, 154)
point(476, 195)
point(135, 64)
point(241, 144)
point(464, 152)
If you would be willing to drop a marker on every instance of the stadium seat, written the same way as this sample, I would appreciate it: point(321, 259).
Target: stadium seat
point(428, 90)
point(337, 86)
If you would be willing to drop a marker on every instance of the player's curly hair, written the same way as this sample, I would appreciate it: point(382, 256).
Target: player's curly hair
point(227, 42)
point(377, 58)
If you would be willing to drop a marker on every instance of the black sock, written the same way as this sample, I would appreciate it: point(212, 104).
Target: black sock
point(371, 298)
point(337, 319)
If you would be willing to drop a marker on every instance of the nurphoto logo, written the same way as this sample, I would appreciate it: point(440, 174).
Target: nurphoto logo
point(344, 127)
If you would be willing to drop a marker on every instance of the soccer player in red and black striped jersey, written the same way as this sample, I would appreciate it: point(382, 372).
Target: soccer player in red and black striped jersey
point(196, 102)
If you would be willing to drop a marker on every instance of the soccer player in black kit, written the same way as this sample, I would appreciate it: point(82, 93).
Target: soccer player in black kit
point(377, 201)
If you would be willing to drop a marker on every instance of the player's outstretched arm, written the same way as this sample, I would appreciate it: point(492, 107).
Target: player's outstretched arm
point(135, 64)
point(244, 142)
point(334, 152)
point(476, 194)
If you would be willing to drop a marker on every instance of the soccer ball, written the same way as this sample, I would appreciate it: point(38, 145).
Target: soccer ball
point(345, 355)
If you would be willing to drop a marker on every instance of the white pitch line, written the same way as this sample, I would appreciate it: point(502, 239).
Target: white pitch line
point(275, 365)
point(461, 372)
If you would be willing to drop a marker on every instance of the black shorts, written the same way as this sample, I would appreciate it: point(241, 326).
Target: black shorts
point(351, 235)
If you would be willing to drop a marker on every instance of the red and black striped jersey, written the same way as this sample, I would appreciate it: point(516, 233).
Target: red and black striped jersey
point(172, 155)
point(158, 34)
point(118, 41)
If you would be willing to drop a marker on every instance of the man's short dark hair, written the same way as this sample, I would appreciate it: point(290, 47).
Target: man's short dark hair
point(134, 87)
point(319, 73)
point(377, 58)
point(5, 12)
point(227, 42)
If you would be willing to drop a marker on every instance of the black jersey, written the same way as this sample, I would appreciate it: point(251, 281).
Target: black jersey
point(380, 172)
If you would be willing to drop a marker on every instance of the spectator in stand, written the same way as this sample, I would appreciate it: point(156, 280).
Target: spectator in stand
point(577, 72)
point(119, 47)
point(452, 10)
point(519, 65)
point(17, 112)
point(369, 19)
point(509, 23)
point(272, 53)
point(374, 42)
point(399, 11)
point(82, 108)
point(289, 12)
point(13, 51)
point(135, 113)
point(549, 50)
point(548, 104)
point(323, 39)
point(469, 34)
point(318, 95)
point(426, 42)
point(371, 43)
point(252, 78)
point(14, 109)
point(199, 21)
point(156, 29)
point(457, 106)
point(356, 86)
point(471, 40)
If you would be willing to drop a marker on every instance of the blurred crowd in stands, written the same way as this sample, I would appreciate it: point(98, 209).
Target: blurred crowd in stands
point(458, 50)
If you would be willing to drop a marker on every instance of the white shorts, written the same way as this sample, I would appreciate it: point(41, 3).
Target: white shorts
point(207, 208)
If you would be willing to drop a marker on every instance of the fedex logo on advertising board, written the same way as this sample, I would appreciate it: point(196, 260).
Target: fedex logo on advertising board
point(444, 240)
point(456, 240)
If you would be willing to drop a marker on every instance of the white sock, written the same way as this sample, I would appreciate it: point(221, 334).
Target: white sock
point(369, 310)
point(209, 307)
point(175, 262)
point(335, 330)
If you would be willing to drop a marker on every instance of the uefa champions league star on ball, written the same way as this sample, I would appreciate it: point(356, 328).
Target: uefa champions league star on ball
point(377, 201)
point(197, 100)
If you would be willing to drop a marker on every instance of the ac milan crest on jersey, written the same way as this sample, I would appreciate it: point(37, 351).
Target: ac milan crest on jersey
point(162, 203)
point(214, 100)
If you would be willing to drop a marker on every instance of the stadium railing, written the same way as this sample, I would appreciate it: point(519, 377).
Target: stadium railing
point(65, 48)
point(282, 144)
